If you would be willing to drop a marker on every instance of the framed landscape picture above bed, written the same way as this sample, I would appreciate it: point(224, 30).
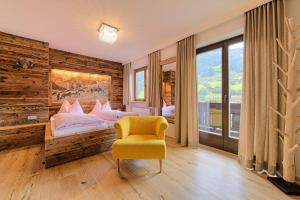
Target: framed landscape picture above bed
point(85, 87)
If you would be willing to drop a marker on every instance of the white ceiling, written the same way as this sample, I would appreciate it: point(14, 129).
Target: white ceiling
point(145, 26)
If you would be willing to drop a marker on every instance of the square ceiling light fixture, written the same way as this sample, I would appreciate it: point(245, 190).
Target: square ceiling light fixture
point(108, 33)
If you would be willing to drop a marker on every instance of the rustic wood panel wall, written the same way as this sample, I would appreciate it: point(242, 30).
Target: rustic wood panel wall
point(26, 92)
point(23, 92)
point(74, 62)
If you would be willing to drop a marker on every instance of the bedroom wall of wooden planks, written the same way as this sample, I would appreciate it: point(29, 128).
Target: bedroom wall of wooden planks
point(23, 92)
point(26, 92)
point(74, 62)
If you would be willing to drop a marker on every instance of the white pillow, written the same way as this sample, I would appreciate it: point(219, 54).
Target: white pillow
point(65, 107)
point(76, 108)
point(106, 107)
point(97, 108)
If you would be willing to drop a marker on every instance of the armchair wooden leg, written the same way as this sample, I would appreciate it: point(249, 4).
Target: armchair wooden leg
point(160, 166)
point(118, 161)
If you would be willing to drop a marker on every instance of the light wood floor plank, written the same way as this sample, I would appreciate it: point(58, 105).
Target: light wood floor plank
point(188, 173)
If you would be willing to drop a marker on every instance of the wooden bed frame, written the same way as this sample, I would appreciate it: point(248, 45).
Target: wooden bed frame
point(59, 150)
point(170, 119)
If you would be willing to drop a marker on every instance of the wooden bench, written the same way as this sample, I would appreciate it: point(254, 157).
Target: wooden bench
point(59, 150)
point(21, 135)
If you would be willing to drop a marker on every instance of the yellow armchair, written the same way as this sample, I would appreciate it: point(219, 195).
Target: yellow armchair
point(140, 137)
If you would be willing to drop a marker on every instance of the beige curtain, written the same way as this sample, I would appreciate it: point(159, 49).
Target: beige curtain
point(258, 144)
point(154, 91)
point(126, 84)
point(186, 94)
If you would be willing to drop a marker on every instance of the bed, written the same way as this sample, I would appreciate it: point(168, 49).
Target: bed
point(76, 139)
point(113, 115)
point(168, 110)
point(169, 113)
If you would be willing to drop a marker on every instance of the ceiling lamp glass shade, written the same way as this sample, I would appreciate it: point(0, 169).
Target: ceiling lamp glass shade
point(108, 33)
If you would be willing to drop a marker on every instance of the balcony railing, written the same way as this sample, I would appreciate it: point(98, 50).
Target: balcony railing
point(210, 118)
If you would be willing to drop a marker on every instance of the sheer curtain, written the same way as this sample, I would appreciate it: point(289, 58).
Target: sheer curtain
point(154, 90)
point(186, 125)
point(258, 145)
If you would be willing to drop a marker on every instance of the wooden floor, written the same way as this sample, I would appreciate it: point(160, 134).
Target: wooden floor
point(200, 173)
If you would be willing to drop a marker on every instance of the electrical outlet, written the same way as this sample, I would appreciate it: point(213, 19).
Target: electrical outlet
point(32, 117)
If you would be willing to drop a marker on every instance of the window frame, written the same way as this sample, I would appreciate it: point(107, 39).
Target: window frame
point(144, 69)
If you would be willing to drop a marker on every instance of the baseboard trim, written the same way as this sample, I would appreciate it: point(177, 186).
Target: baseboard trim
point(169, 138)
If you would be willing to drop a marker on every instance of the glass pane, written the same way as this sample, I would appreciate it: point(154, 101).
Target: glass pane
point(209, 74)
point(140, 85)
point(235, 53)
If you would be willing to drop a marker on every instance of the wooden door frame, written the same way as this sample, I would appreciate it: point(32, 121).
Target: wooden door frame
point(223, 142)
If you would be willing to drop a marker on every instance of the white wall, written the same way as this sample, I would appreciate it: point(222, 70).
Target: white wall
point(229, 29)
point(170, 132)
point(218, 33)
point(141, 62)
point(138, 107)
point(292, 10)
point(169, 52)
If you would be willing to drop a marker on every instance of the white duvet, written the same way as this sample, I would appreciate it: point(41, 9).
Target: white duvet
point(168, 110)
point(69, 120)
point(113, 115)
point(64, 124)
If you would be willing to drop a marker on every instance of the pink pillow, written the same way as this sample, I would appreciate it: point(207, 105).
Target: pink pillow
point(76, 108)
point(65, 107)
point(97, 108)
point(106, 107)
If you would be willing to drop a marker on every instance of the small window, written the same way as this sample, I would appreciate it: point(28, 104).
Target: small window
point(140, 84)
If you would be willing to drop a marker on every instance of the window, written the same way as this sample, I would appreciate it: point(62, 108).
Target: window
point(219, 74)
point(140, 84)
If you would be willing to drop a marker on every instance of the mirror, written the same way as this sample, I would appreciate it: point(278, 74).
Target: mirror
point(168, 90)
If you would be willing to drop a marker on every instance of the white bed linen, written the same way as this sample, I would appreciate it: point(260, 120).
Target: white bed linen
point(110, 124)
point(168, 110)
point(74, 129)
point(113, 115)
point(67, 120)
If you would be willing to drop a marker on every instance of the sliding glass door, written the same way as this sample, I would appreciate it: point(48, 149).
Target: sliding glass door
point(219, 73)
